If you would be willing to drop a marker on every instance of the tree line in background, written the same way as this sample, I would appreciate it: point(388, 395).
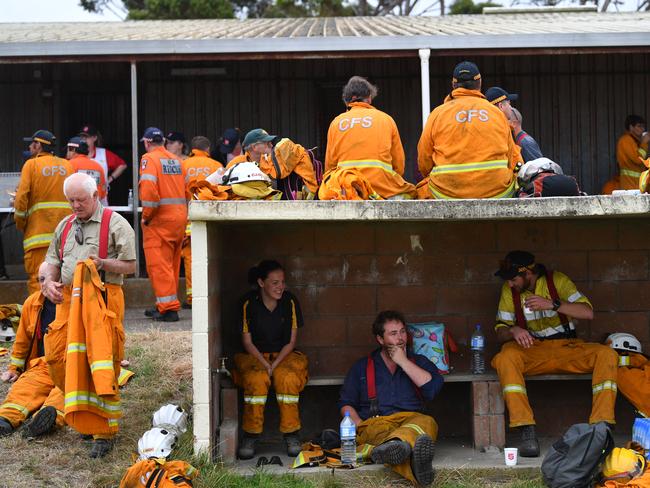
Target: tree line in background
point(227, 9)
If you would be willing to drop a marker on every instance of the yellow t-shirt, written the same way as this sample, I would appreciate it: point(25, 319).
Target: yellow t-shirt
point(540, 323)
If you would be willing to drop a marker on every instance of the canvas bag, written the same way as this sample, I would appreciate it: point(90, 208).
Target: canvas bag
point(432, 340)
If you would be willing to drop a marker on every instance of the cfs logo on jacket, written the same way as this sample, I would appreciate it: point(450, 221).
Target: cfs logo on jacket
point(468, 116)
point(364, 122)
point(54, 171)
point(195, 172)
point(170, 167)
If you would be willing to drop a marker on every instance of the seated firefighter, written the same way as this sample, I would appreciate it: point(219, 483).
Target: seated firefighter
point(33, 390)
point(270, 318)
point(390, 425)
point(633, 380)
point(535, 321)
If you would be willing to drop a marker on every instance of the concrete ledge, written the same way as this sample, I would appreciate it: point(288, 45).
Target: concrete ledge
point(422, 210)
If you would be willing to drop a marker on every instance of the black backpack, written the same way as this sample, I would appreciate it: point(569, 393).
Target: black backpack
point(574, 461)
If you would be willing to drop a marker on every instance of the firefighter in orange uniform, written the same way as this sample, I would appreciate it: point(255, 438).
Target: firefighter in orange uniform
point(195, 168)
point(164, 217)
point(33, 390)
point(365, 140)
point(92, 232)
point(40, 203)
point(633, 371)
point(466, 149)
point(78, 157)
point(631, 150)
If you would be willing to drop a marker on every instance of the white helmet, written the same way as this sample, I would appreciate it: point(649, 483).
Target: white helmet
point(7, 332)
point(156, 443)
point(172, 418)
point(624, 342)
point(244, 172)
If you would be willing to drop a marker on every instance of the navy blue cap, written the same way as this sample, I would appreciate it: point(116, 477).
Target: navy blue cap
point(496, 94)
point(152, 134)
point(79, 145)
point(42, 136)
point(229, 140)
point(514, 264)
point(466, 71)
point(175, 136)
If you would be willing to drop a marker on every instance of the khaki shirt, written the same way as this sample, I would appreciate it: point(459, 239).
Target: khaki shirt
point(121, 245)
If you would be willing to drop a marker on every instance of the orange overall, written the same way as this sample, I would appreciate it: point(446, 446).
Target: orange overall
point(466, 150)
point(634, 381)
point(195, 168)
point(34, 388)
point(367, 139)
point(629, 156)
point(164, 212)
point(39, 206)
point(551, 354)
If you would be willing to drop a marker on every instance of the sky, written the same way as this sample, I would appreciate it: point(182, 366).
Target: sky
point(70, 11)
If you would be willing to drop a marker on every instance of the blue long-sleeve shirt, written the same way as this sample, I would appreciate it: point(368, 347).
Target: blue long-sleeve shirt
point(395, 392)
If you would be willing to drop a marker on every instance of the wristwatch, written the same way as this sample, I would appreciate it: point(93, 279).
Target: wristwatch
point(556, 304)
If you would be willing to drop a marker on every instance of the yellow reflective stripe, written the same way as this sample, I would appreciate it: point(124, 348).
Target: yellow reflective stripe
point(74, 347)
point(294, 317)
point(364, 453)
point(37, 241)
point(284, 398)
point(17, 362)
point(468, 167)
point(624, 360)
point(630, 172)
point(113, 422)
point(416, 428)
point(190, 470)
point(20, 213)
point(15, 406)
point(514, 388)
point(47, 206)
point(642, 152)
point(367, 163)
point(245, 318)
point(507, 193)
point(101, 365)
point(605, 385)
point(255, 400)
point(88, 398)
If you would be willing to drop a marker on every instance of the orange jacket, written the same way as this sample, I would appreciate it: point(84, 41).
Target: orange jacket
point(347, 184)
point(466, 149)
point(198, 166)
point(29, 318)
point(291, 158)
point(83, 164)
point(40, 203)
point(162, 188)
point(629, 156)
point(165, 474)
point(95, 348)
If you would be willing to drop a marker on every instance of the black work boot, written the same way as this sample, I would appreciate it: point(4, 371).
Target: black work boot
point(393, 452)
point(101, 447)
point(168, 316)
point(529, 445)
point(150, 312)
point(422, 459)
point(41, 423)
point(5, 427)
point(247, 447)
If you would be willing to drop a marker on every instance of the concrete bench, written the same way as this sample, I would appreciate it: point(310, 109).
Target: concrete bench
point(487, 406)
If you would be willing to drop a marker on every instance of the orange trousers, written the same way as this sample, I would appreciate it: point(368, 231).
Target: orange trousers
point(187, 262)
point(405, 426)
point(162, 252)
point(289, 379)
point(33, 259)
point(557, 356)
point(32, 391)
point(634, 381)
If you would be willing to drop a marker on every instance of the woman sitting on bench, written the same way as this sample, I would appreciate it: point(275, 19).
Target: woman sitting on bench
point(270, 318)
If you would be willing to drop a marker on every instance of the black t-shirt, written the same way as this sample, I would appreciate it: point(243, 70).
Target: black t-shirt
point(48, 312)
point(270, 331)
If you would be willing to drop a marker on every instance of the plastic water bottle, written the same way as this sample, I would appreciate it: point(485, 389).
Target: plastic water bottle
point(478, 351)
point(130, 200)
point(348, 433)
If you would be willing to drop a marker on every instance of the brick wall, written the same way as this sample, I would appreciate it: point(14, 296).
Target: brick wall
point(343, 274)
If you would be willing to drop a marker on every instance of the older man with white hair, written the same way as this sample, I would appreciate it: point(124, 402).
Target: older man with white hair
point(92, 232)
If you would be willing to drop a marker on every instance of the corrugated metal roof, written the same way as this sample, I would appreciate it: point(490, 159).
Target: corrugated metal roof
point(321, 34)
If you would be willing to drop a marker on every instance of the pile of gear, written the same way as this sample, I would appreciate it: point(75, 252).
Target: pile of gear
point(244, 181)
point(9, 319)
point(152, 468)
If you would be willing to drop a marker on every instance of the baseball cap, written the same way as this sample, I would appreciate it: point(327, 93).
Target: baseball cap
point(80, 145)
point(88, 130)
point(152, 134)
point(496, 94)
point(466, 71)
point(43, 136)
point(176, 136)
point(229, 140)
point(255, 136)
point(514, 263)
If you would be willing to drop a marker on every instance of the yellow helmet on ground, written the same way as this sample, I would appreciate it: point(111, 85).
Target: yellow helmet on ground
point(623, 463)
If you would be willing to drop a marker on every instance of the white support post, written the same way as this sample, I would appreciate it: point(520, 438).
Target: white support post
point(424, 79)
point(135, 164)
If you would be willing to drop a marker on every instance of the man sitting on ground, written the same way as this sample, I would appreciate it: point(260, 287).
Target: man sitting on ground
point(391, 424)
point(536, 322)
